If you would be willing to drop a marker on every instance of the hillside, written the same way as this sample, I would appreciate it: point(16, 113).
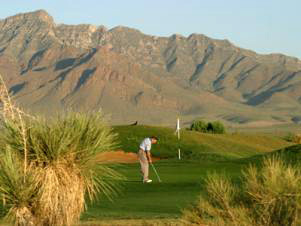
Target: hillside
point(291, 154)
point(137, 77)
point(195, 145)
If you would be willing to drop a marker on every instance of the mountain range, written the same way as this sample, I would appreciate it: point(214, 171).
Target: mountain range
point(132, 76)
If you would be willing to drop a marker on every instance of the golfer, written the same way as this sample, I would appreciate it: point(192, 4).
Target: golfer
point(145, 157)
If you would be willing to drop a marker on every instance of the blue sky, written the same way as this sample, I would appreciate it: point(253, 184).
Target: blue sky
point(265, 26)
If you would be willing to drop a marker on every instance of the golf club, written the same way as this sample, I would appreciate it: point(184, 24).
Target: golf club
point(156, 172)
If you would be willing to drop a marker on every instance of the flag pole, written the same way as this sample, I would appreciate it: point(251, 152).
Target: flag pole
point(178, 132)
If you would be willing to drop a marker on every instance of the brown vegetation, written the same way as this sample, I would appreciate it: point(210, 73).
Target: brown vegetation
point(268, 196)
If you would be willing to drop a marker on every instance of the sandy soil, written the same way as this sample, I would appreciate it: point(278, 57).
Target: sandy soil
point(120, 156)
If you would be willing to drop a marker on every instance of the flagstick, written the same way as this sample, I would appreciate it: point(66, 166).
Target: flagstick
point(178, 130)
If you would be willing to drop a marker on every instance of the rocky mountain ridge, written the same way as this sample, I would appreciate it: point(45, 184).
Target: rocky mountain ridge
point(133, 76)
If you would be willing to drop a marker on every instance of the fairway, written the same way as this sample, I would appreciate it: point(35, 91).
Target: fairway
point(182, 180)
point(181, 184)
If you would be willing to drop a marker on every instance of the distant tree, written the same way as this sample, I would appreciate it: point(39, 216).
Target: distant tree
point(199, 125)
point(216, 127)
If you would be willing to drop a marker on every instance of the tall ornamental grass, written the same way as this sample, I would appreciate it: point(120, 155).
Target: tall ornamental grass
point(62, 169)
point(268, 196)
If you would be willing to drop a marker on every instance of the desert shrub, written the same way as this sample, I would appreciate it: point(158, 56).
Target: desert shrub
point(268, 196)
point(216, 127)
point(199, 125)
point(49, 168)
point(294, 138)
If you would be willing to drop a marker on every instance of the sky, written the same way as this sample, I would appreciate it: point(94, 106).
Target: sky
point(264, 26)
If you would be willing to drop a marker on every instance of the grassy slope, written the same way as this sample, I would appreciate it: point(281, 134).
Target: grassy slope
point(291, 155)
point(182, 180)
point(198, 145)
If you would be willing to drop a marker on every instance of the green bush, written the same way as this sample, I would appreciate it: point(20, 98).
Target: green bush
point(268, 196)
point(216, 127)
point(199, 125)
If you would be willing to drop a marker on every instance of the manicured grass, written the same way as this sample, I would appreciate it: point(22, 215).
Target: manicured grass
point(181, 184)
point(195, 145)
point(183, 180)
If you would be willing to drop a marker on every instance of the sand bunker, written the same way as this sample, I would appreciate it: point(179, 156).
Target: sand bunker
point(119, 156)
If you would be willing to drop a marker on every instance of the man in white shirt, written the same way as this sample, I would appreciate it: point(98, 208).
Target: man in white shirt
point(145, 156)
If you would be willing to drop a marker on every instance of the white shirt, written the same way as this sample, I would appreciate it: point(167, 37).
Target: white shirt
point(146, 144)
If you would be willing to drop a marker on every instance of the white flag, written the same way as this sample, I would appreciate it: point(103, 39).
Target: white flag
point(178, 133)
point(178, 128)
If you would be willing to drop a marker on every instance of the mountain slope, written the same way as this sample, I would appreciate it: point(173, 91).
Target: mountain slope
point(133, 76)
